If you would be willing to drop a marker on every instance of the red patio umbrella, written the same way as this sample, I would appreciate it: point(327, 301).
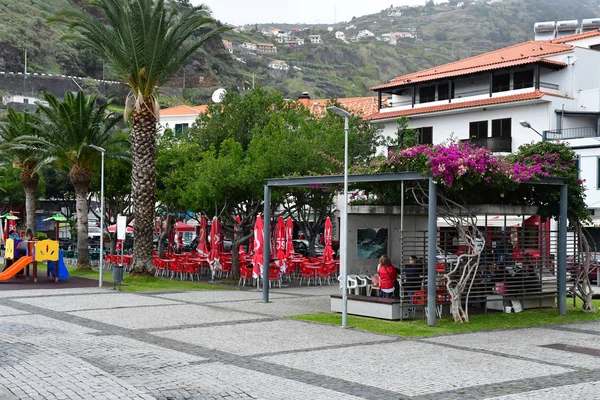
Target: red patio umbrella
point(215, 246)
point(328, 251)
point(289, 232)
point(202, 249)
point(181, 226)
point(257, 260)
point(280, 243)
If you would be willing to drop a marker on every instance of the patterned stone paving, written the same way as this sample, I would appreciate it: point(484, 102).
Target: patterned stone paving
point(91, 343)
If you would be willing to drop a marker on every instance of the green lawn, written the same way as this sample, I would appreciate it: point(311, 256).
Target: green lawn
point(147, 284)
point(418, 327)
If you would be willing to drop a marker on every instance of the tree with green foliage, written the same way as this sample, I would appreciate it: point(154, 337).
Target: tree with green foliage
point(66, 131)
point(29, 159)
point(145, 43)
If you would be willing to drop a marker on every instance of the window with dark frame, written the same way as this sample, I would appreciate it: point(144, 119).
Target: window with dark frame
point(443, 92)
point(500, 83)
point(426, 94)
point(478, 130)
point(501, 128)
point(180, 129)
point(425, 135)
point(523, 79)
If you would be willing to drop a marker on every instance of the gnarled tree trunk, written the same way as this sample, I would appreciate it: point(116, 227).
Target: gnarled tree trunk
point(143, 184)
point(81, 178)
point(30, 180)
point(582, 287)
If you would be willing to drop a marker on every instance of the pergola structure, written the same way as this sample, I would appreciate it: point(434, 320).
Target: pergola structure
point(432, 228)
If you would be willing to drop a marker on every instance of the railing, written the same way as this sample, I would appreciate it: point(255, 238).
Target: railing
point(571, 133)
point(493, 144)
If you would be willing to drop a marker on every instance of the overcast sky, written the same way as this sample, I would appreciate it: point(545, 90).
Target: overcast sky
point(239, 12)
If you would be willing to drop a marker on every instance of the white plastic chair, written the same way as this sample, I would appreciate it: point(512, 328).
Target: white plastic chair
point(351, 283)
point(363, 282)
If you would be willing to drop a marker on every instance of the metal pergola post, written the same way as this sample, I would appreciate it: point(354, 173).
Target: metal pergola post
point(267, 244)
point(562, 253)
point(431, 252)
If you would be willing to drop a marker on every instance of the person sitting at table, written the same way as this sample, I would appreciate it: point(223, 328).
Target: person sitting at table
point(13, 234)
point(413, 272)
point(387, 277)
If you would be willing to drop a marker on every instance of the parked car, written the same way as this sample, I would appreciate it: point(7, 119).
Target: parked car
point(301, 247)
point(575, 263)
point(94, 232)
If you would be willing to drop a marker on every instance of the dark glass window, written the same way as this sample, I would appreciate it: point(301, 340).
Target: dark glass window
point(443, 92)
point(426, 94)
point(501, 83)
point(523, 79)
point(425, 135)
point(478, 130)
point(501, 128)
point(180, 129)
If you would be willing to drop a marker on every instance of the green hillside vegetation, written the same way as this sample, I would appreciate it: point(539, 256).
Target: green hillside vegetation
point(331, 69)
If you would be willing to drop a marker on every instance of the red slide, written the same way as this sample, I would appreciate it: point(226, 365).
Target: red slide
point(15, 268)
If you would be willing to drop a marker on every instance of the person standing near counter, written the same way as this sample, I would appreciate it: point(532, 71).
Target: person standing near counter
point(387, 277)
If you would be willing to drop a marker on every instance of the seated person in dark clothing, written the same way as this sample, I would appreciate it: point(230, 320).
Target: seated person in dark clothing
point(413, 272)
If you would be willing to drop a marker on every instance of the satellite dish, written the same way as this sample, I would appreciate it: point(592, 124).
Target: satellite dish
point(218, 95)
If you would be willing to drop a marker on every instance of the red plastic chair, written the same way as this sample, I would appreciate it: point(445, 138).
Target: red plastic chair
point(306, 272)
point(159, 265)
point(225, 267)
point(274, 274)
point(245, 274)
point(190, 268)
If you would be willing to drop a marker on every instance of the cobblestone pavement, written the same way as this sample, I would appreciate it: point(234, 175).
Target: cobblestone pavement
point(102, 344)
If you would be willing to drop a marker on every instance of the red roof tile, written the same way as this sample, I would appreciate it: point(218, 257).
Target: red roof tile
point(354, 105)
point(520, 54)
point(455, 106)
point(577, 36)
point(183, 110)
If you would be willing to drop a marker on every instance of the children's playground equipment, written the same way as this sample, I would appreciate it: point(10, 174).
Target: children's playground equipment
point(45, 250)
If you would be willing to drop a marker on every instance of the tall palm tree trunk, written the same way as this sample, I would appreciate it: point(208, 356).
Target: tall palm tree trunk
point(30, 180)
point(143, 185)
point(81, 178)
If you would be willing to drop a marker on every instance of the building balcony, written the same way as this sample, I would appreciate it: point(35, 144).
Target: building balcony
point(493, 144)
point(571, 133)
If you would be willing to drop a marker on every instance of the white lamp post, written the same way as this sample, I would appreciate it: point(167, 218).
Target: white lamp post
point(101, 261)
point(344, 231)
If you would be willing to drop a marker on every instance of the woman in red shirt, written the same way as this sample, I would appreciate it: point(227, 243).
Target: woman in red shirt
point(387, 277)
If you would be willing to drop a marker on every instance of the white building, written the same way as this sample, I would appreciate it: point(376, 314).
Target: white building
point(365, 33)
point(22, 100)
point(554, 85)
point(340, 35)
point(315, 39)
point(249, 46)
point(279, 64)
point(180, 118)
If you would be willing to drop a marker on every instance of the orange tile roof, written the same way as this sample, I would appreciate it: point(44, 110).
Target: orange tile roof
point(455, 106)
point(520, 54)
point(354, 105)
point(183, 110)
point(577, 36)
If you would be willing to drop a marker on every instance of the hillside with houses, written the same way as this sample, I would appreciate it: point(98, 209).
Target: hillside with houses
point(343, 59)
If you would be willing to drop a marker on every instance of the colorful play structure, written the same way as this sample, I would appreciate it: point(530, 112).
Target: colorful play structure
point(34, 251)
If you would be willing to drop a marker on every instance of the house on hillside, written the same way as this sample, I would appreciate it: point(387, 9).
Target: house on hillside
point(266, 48)
point(315, 39)
point(364, 34)
point(179, 118)
point(340, 35)
point(554, 85)
point(279, 64)
point(249, 46)
point(228, 45)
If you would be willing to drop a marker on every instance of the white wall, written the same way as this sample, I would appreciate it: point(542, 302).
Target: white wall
point(171, 120)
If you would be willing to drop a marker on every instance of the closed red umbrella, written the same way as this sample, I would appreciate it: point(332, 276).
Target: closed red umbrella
point(328, 251)
point(215, 246)
point(113, 229)
point(280, 242)
point(257, 259)
point(289, 233)
point(202, 249)
point(181, 226)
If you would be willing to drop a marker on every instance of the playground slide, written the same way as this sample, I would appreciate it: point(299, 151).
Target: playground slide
point(15, 268)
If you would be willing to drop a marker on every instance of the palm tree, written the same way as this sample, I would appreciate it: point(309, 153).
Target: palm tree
point(27, 158)
point(146, 43)
point(66, 130)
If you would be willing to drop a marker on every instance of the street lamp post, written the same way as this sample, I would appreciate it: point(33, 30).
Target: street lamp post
point(526, 124)
point(344, 231)
point(101, 261)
